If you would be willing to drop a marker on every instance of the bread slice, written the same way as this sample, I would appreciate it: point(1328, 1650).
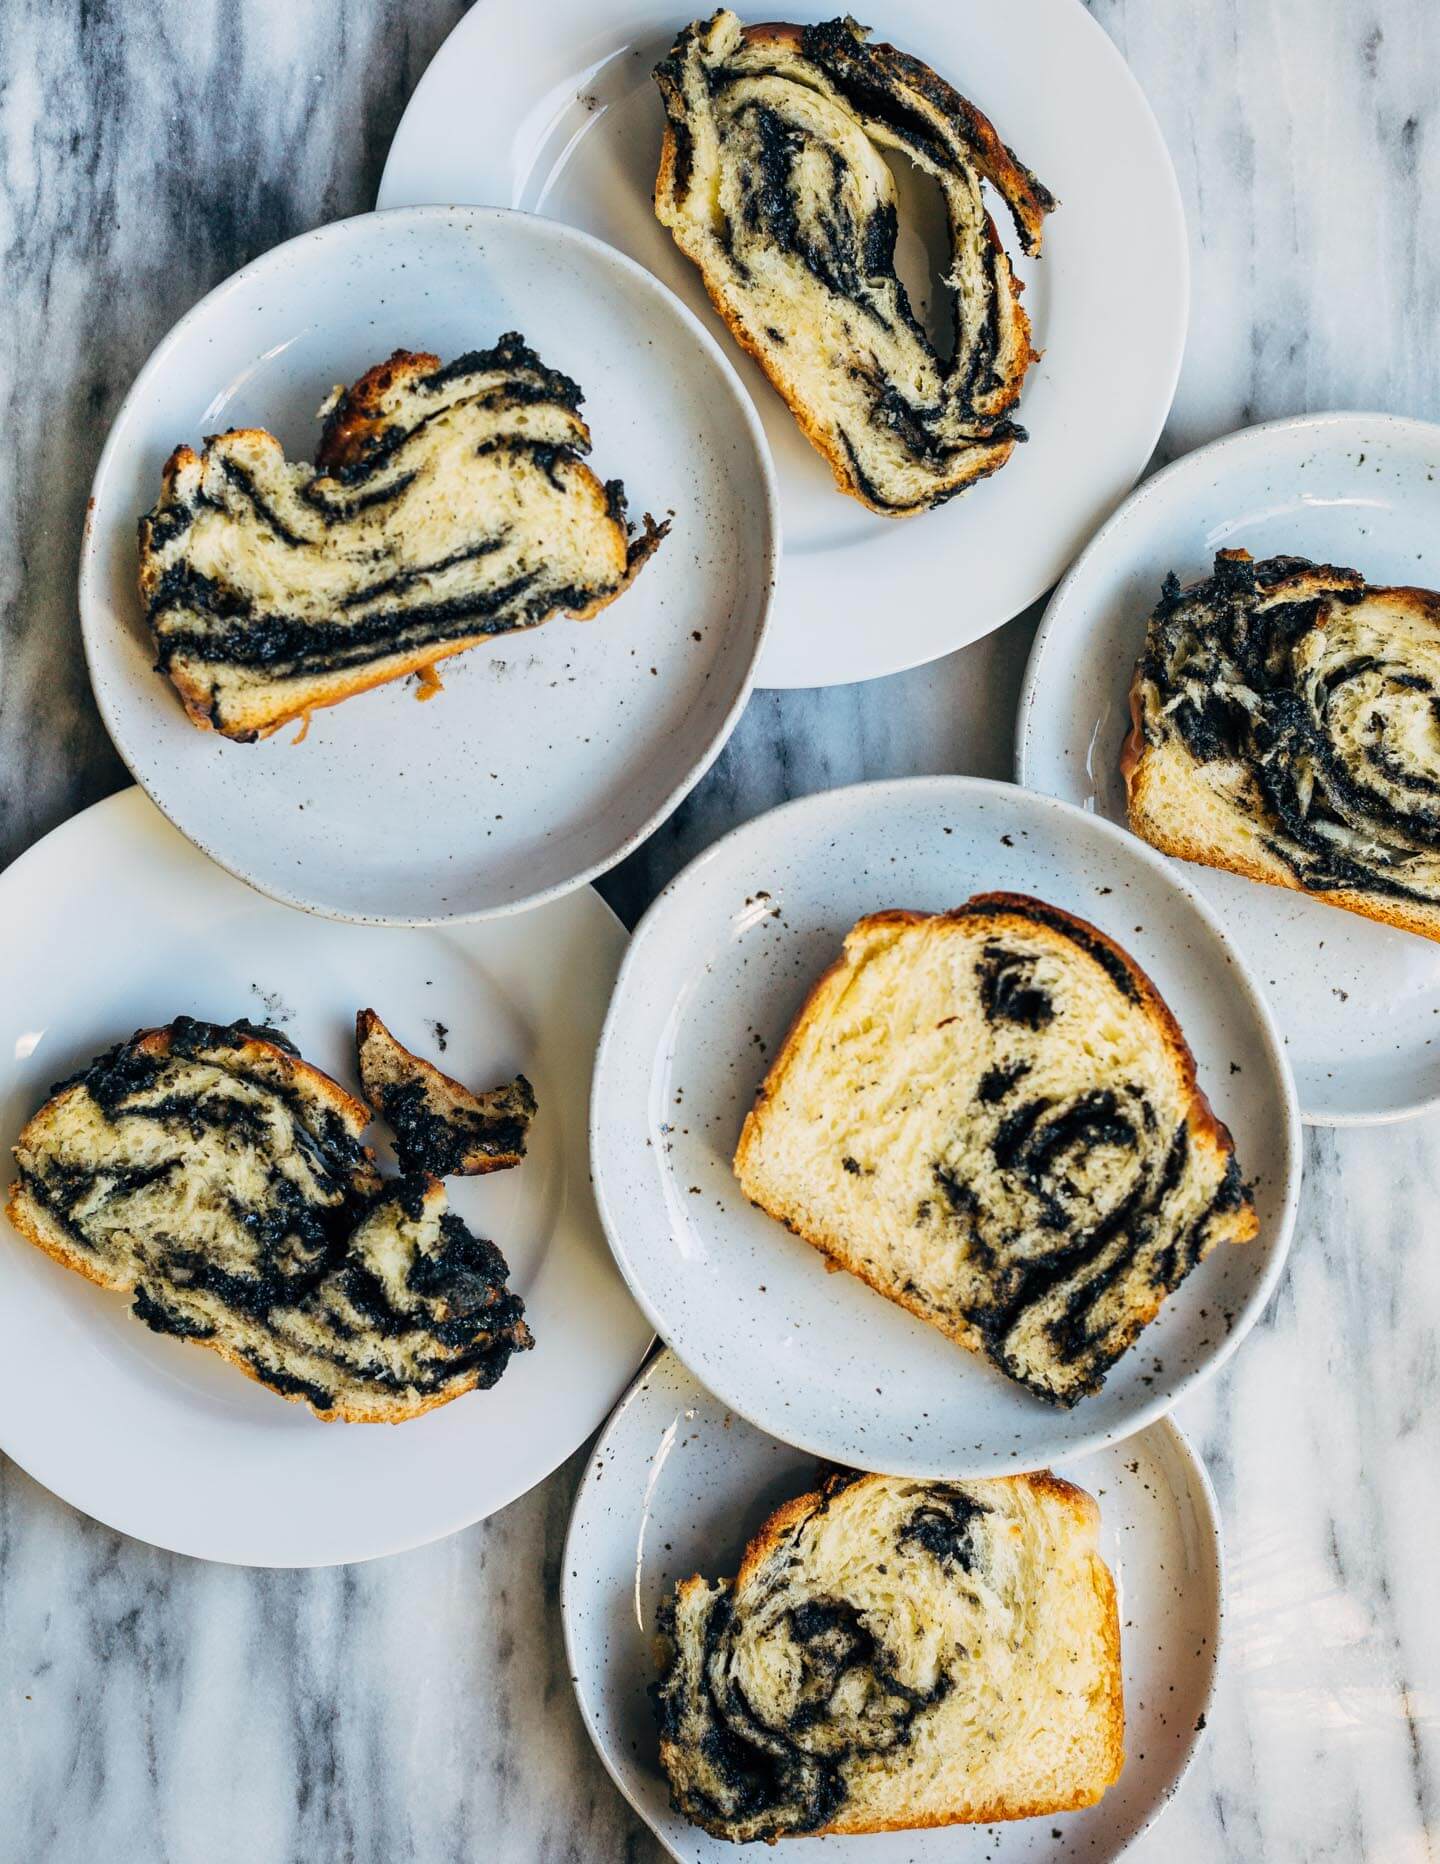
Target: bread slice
point(1285, 725)
point(991, 1117)
point(440, 1127)
point(221, 1180)
point(448, 506)
point(895, 1654)
point(773, 180)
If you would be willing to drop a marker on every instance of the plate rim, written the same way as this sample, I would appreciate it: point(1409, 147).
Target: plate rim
point(1179, 267)
point(133, 798)
point(1237, 440)
point(93, 609)
point(1201, 1486)
point(1260, 1295)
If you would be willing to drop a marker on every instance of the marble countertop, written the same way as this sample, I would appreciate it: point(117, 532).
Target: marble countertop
point(153, 1708)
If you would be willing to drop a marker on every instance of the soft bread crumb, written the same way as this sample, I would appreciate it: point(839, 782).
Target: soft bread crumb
point(448, 506)
point(219, 1179)
point(773, 179)
point(895, 1654)
point(991, 1117)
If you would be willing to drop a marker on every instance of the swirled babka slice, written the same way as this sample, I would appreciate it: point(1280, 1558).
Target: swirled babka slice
point(773, 180)
point(448, 506)
point(896, 1653)
point(222, 1181)
point(991, 1117)
point(1286, 726)
point(440, 1127)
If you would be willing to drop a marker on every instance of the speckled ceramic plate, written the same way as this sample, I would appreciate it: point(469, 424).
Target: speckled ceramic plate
point(677, 1485)
point(552, 108)
point(551, 752)
point(165, 1441)
point(715, 973)
point(1358, 1004)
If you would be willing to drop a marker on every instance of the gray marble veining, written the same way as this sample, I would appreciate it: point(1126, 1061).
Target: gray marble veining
point(152, 1708)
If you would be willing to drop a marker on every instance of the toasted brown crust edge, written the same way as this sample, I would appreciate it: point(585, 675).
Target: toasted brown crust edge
point(354, 417)
point(1203, 1119)
point(1425, 922)
point(197, 707)
point(765, 1542)
point(158, 1041)
point(1028, 199)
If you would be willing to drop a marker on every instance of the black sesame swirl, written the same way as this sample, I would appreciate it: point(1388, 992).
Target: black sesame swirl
point(992, 1117)
point(1287, 724)
point(218, 1178)
point(449, 505)
point(774, 181)
point(878, 1629)
point(796, 1683)
point(1069, 1211)
point(440, 1127)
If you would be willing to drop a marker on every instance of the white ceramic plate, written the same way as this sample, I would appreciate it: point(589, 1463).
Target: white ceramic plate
point(677, 1486)
point(1358, 1003)
point(114, 922)
point(552, 752)
point(715, 973)
point(552, 108)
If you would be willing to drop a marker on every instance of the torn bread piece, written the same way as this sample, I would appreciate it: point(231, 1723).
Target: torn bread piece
point(448, 505)
point(893, 1654)
point(991, 1116)
point(1285, 725)
point(221, 1180)
point(439, 1126)
point(774, 180)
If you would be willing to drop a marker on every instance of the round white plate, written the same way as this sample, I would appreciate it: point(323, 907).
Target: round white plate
point(1358, 1004)
point(551, 752)
point(715, 973)
point(552, 108)
point(114, 922)
point(677, 1486)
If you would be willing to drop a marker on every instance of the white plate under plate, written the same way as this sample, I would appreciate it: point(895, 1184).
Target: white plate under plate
point(115, 922)
point(551, 753)
point(677, 1486)
point(553, 108)
point(715, 973)
point(1358, 1003)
